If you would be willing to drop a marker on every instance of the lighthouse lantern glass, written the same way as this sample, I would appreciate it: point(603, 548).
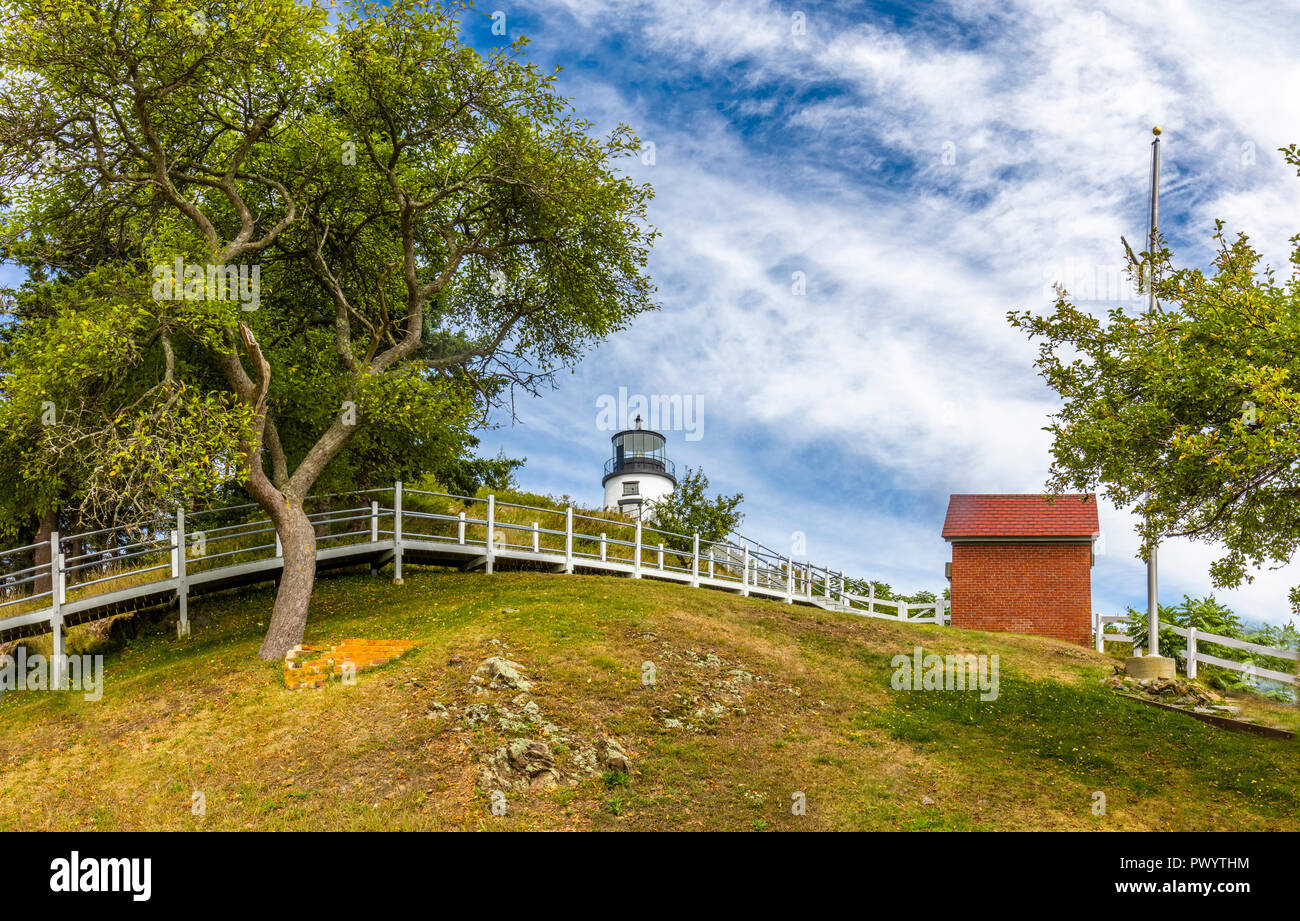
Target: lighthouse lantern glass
point(639, 444)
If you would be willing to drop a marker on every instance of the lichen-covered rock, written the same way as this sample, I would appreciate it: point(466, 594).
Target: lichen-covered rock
point(521, 765)
point(614, 757)
point(497, 673)
point(477, 715)
point(1178, 691)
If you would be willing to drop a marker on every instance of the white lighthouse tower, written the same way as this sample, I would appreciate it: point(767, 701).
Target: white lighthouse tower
point(639, 473)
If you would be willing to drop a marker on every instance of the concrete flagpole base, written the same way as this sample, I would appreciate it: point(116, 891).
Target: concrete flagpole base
point(1141, 667)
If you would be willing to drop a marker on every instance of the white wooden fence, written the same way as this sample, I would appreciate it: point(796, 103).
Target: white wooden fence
point(1103, 637)
point(1192, 655)
point(98, 573)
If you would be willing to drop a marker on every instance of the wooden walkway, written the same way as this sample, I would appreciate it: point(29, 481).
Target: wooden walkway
point(102, 573)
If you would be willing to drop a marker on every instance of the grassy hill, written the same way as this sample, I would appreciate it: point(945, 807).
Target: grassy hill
point(753, 701)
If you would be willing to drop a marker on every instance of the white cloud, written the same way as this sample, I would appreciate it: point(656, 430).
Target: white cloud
point(899, 355)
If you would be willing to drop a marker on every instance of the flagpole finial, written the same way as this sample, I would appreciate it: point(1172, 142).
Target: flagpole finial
point(1156, 131)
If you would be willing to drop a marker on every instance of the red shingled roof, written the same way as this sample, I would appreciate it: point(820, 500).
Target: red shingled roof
point(992, 515)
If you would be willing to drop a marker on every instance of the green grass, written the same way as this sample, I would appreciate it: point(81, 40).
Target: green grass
point(754, 702)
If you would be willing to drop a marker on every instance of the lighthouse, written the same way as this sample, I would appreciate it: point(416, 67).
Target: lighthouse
point(639, 472)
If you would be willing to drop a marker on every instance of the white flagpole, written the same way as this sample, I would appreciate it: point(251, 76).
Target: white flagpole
point(1153, 604)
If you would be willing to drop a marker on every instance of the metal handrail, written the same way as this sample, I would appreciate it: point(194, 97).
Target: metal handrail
point(641, 463)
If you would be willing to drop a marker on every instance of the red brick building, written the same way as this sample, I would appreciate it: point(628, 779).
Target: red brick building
point(1022, 563)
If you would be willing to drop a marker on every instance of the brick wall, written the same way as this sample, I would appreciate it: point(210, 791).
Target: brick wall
point(1023, 588)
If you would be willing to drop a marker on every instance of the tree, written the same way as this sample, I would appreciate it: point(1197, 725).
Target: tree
point(885, 592)
point(468, 475)
point(1205, 614)
point(1189, 414)
point(411, 230)
point(90, 435)
point(688, 510)
point(1210, 616)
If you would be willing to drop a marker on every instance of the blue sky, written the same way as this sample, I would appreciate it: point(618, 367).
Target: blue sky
point(927, 167)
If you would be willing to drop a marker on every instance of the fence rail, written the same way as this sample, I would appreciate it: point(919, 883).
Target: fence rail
point(98, 573)
point(1192, 655)
point(1103, 637)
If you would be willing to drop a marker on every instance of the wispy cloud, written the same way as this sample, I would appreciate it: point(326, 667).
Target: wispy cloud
point(925, 177)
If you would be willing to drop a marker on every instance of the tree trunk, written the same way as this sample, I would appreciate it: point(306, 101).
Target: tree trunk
point(289, 616)
point(282, 498)
point(48, 525)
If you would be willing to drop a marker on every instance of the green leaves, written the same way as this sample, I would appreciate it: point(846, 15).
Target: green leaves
point(1188, 415)
point(432, 228)
point(688, 509)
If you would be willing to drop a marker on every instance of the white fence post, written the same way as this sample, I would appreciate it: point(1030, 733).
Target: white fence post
point(491, 531)
point(374, 534)
point(57, 597)
point(568, 539)
point(755, 572)
point(182, 576)
point(1191, 652)
point(397, 532)
point(1100, 633)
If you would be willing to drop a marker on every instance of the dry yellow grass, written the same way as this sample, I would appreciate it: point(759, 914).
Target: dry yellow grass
point(753, 703)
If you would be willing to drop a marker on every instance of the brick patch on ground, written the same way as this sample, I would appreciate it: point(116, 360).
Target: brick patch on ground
point(311, 666)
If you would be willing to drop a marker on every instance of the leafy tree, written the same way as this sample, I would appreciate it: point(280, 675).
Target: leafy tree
point(1207, 615)
point(95, 426)
point(689, 510)
point(467, 475)
point(885, 592)
point(1210, 616)
point(420, 229)
point(1186, 414)
point(1279, 636)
